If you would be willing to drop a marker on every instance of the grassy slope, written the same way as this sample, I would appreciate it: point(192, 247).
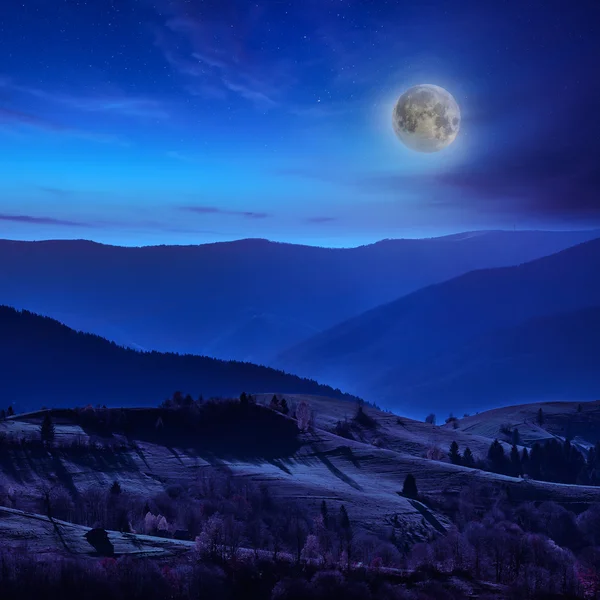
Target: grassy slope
point(560, 419)
point(365, 478)
point(44, 536)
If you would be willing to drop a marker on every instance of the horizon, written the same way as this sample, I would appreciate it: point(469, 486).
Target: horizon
point(373, 242)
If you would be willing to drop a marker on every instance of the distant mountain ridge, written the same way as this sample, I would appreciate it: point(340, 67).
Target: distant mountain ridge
point(245, 300)
point(45, 363)
point(390, 354)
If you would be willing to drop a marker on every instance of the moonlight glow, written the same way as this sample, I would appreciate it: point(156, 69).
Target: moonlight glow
point(426, 118)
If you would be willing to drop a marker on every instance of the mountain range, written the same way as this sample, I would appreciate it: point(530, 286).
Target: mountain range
point(245, 300)
point(45, 363)
point(486, 338)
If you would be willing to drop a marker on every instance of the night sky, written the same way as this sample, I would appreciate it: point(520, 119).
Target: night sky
point(139, 122)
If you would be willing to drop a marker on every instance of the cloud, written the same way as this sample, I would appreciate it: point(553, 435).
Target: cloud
point(55, 191)
point(12, 117)
point(35, 220)
point(115, 103)
point(321, 219)
point(213, 210)
point(187, 158)
point(219, 48)
point(18, 118)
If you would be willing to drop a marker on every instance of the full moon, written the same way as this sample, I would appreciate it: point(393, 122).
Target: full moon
point(426, 118)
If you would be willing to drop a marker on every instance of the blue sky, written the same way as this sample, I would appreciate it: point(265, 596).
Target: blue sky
point(138, 122)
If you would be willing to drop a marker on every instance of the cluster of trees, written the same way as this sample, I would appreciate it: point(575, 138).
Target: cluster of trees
point(535, 551)
point(25, 576)
point(538, 549)
point(349, 428)
point(9, 412)
point(279, 404)
point(552, 460)
point(220, 512)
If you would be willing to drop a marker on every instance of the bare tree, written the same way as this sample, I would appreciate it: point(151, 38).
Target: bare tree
point(303, 415)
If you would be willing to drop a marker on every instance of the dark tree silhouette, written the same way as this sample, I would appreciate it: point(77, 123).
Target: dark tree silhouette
point(115, 488)
point(496, 457)
point(540, 417)
point(515, 462)
point(430, 418)
point(515, 437)
point(346, 534)
point(468, 460)
point(10, 412)
point(409, 489)
point(47, 431)
point(284, 406)
point(455, 457)
point(325, 514)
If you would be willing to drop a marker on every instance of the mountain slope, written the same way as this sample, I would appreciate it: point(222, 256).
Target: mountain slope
point(46, 363)
point(244, 300)
point(314, 466)
point(550, 358)
point(578, 421)
point(386, 350)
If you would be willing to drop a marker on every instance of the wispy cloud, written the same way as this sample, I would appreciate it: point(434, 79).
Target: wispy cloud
point(214, 210)
point(55, 191)
point(37, 220)
point(16, 118)
point(321, 219)
point(218, 55)
point(112, 103)
point(187, 158)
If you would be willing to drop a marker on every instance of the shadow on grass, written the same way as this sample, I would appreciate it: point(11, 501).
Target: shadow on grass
point(322, 456)
point(226, 430)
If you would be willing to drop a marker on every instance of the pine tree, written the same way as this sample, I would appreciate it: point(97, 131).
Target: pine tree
point(2, 414)
point(496, 456)
point(47, 431)
point(325, 514)
point(515, 461)
point(284, 406)
point(409, 489)
point(115, 488)
point(534, 466)
point(243, 398)
point(468, 460)
point(515, 438)
point(10, 412)
point(346, 533)
point(540, 417)
point(455, 457)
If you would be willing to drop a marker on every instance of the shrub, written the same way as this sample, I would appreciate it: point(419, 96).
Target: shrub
point(409, 489)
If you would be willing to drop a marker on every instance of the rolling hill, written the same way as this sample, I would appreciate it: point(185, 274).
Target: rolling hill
point(488, 337)
point(46, 363)
point(311, 467)
point(245, 300)
point(578, 421)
